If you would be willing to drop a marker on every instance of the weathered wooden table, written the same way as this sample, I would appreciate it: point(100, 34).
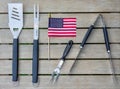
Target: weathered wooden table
point(93, 68)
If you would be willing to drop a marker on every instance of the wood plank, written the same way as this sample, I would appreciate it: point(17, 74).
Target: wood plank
point(90, 51)
point(47, 67)
point(70, 82)
point(67, 6)
point(96, 36)
point(83, 20)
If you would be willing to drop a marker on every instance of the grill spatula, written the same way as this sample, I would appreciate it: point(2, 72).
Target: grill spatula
point(15, 13)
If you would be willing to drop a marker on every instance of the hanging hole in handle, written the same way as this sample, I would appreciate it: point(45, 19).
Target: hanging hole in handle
point(70, 42)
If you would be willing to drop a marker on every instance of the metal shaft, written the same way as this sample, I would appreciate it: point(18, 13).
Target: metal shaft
point(96, 20)
point(75, 61)
point(112, 66)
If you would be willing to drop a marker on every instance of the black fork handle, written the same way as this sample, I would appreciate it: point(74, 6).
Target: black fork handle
point(67, 49)
point(106, 38)
point(87, 35)
point(15, 60)
point(35, 63)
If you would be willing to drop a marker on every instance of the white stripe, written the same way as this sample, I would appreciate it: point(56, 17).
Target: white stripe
point(69, 22)
point(68, 25)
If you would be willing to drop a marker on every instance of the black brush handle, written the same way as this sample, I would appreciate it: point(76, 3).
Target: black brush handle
point(87, 35)
point(67, 49)
point(15, 60)
point(35, 63)
point(106, 38)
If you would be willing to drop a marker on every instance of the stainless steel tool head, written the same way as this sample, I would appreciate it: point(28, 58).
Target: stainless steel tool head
point(15, 13)
point(96, 20)
point(103, 21)
point(55, 75)
point(36, 22)
point(36, 16)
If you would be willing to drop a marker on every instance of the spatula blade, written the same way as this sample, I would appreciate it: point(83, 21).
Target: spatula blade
point(15, 13)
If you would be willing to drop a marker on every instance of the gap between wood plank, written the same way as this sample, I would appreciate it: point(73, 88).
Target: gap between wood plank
point(77, 28)
point(58, 43)
point(29, 59)
point(107, 12)
point(63, 74)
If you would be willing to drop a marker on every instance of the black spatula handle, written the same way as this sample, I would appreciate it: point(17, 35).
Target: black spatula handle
point(15, 60)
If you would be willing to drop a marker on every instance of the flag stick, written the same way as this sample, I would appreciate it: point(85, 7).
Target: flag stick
point(48, 48)
point(49, 43)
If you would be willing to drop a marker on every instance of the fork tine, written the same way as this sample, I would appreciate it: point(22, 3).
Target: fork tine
point(34, 12)
point(54, 81)
point(54, 77)
point(38, 11)
point(36, 15)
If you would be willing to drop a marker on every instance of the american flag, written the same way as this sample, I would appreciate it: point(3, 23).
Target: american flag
point(62, 27)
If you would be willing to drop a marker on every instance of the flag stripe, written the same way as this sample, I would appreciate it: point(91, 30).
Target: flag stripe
point(74, 23)
point(69, 26)
point(59, 33)
point(62, 35)
point(71, 19)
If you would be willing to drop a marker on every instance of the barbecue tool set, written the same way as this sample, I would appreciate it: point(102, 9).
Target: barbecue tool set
point(15, 14)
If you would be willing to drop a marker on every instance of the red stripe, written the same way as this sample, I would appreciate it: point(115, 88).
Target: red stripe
point(69, 19)
point(61, 36)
